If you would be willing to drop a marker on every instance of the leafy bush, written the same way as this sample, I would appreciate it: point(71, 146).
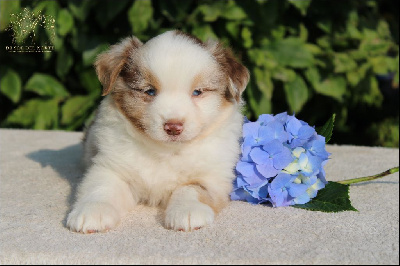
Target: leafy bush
point(313, 58)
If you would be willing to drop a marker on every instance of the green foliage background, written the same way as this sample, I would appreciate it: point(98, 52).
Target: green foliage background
point(310, 57)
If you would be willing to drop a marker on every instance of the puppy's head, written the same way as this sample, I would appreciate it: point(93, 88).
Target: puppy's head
point(173, 88)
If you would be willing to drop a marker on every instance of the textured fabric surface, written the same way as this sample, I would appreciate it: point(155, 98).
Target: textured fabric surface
point(40, 170)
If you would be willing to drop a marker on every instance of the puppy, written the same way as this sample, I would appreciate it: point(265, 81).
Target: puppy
point(166, 134)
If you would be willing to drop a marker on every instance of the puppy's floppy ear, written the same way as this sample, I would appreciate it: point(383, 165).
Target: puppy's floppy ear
point(110, 63)
point(238, 74)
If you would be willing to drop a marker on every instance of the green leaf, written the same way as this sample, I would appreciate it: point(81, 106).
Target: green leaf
point(80, 12)
point(284, 74)
point(258, 101)
point(65, 22)
point(296, 93)
point(374, 46)
point(262, 58)
point(139, 15)
point(290, 52)
point(313, 76)
point(264, 82)
point(247, 38)
point(90, 82)
point(374, 95)
point(343, 63)
point(313, 49)
point(303, 34)
point(175, 10)
point(75, 107)
point(50, 8)
point(334, 86)
point(64, 63)
point(383, 64)
point(46, 85)
point(108, 10)
point(6, 9)
point(204, 32)
point(233, 28)
point(301, 5)
point(396, 76)
point(211, 12)
point(233, 12)
point(36, 114)
point(89, 56)
point(333, 198)
point(327, 129)
point(10, 85)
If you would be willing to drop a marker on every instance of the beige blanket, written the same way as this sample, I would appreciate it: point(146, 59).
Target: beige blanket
point(40, 170)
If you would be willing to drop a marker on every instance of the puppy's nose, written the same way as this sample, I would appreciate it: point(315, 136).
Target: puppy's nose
point(173, 127)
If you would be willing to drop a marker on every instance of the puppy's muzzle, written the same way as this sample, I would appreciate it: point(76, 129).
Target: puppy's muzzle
point(173, 127)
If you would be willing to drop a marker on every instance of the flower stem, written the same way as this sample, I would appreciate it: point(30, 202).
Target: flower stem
point(368, 178)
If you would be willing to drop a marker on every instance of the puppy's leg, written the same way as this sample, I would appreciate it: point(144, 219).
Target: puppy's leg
point(102, 199)
point(192, 207)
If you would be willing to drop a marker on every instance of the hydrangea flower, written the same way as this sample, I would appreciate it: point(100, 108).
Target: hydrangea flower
point(281, 162)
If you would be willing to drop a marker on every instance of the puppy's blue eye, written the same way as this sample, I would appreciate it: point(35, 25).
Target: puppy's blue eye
point(151, 92)
point(197, 92)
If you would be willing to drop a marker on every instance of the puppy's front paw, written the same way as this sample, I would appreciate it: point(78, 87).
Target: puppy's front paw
point(188, 216)
point(92, 218)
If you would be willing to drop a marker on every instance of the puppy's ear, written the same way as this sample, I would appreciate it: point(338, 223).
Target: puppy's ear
point(110, 63)
point(238, 74)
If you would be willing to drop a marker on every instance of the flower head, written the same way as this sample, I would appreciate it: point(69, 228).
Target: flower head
point(282, 161)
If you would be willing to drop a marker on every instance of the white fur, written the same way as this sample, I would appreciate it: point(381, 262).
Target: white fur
point(128, 167)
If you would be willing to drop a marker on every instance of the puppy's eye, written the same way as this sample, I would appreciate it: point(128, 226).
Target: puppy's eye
point(151, 92)
point(197, 92)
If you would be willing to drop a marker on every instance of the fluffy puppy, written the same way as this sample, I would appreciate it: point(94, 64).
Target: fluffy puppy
point(166, 134)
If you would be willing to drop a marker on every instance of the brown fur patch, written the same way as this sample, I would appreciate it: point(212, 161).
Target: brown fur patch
point(131, 104)
point(216, 202)
point(110, 63)
point(237, 72)
point(130, 97)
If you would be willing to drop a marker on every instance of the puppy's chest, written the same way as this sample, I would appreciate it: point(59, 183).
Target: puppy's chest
point(168, 168)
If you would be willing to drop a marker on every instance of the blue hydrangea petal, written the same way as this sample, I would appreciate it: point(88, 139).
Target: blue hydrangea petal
point(312, 191)
point(254, 179)
point(246, 149)
point(266, 135)
point(243, 195)
point(296, 190)
point(302, 199)
point(309, 164)
point(277, 196)
point(317, 147)
point(280, 198)
point(279, 131)
point(270, 144)
point(273, 147)
point(298, 151)
point(281, 117)
point(259, 156)
point(251, 129)
point(280, 181)
point(321, 175)
point(282, 159)
point(306, 132)
point(239, 182)
point(293, 126)
point(259, 192)
point(318, 185)
point(265, 119)
point(308, 180)
point(267, 169)
point(245, 168)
